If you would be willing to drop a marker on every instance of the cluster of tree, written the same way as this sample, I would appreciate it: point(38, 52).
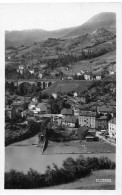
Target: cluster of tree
point(70, 171)
point(101, 88)
point(58, 104)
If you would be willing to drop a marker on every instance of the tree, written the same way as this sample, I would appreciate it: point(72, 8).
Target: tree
point(77, 124)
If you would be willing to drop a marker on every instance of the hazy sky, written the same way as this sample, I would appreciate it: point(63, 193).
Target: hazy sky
point(50, 16)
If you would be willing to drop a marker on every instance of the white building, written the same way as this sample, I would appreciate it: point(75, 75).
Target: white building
point(87, 118)
point(31, 71)
point(40, 75)
point(98, 77)
point(112, 128)
point(88, 76)
point(75, 94)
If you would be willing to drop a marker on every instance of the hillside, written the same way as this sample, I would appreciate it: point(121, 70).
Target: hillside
point(67, 86)
point(93, 51)
point(102, 20)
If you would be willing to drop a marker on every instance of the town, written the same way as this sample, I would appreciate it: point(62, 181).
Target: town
point(76, 112)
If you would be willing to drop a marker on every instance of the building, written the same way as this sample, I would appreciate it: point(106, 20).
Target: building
point(34, 99)
point(111, 72)
point(8, 112)
point(83, 98)
point(32, 105)
point(98, 77)
point(70, 78)
point(76, 110)
point(21, 67)
point(69, 121)
point(67, 112)
point(112, 128)
point(42, 108)
point(78, 74)
point(82, 71)
point(102, 123)
point(105, 109)
point(87, 118)
point(88, 76)
point(31, 71)
point(75, 94)
point(40, 76)
point(57, 119)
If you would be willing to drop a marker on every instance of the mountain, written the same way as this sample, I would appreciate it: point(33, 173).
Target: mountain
point(36, 35)
point(102, 20)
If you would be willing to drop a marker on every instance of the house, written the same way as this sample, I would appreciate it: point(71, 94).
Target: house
point(67, 112)
point(75, 94)
point(105, 109)
point(31, 71)
point(34, 99)
point(93, 108)
point(8, 112)
point(87, 118)
point(83, 98)
point(69, 121)
point(111, 72)
point(82, 71)
point(112, 103)
point(98, 76)
point(21, 67)
point(57, 119)
point(88, 76)
point(84, 107)
point(32, 105)
point(40, 75)
point(112, 128)
point(78, 74)
point(102, 123)
point(43, 108)
point(70, 78)
point(76, 111)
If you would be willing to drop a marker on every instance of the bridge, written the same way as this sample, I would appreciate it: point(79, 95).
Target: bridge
point(44, 83)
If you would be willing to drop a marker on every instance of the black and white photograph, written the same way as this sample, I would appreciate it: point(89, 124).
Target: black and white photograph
point(60, 96)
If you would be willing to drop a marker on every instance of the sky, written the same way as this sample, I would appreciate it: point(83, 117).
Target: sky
point(49, 16)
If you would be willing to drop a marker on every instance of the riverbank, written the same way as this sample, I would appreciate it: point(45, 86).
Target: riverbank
point(13, 136)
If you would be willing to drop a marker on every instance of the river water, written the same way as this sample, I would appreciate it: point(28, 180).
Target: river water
point(24, 155)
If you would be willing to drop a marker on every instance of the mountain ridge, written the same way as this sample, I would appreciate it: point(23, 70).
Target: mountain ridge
point(104, 19)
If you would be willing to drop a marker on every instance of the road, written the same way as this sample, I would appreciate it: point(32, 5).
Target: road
point(104, 139)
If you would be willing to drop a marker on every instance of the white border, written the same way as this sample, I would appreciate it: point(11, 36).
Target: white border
point(119, 111)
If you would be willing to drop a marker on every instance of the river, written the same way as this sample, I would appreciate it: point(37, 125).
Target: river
point(24, 155)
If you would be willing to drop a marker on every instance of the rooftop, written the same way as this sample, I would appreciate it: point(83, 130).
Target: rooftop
point(67, 111)
point(113, 121)
point(87, 113)
point(105, 108)
point(70, 119)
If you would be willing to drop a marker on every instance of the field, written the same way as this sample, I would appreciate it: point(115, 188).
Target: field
point(89, 182)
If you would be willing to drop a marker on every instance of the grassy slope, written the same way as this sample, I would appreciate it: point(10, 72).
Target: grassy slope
point(89, 182)
point(94, 65)
point(67, 85)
